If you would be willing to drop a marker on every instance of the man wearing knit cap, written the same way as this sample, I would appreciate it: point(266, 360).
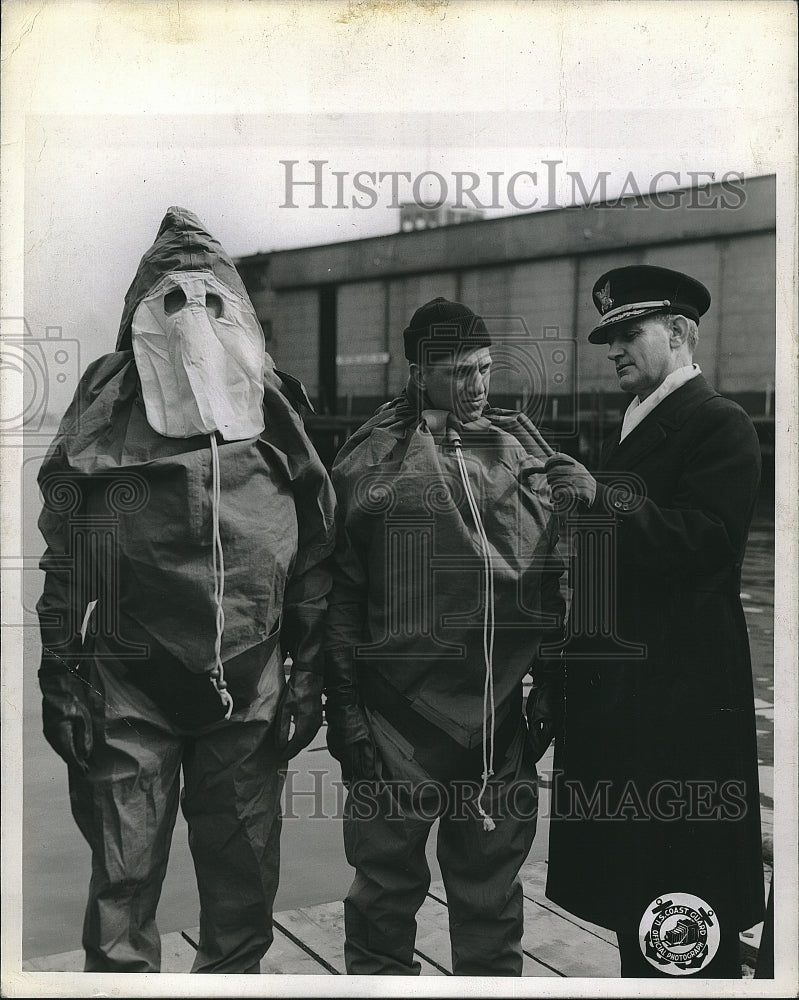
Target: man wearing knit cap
point(656, 822)
point(445, 585)
point(187, 520)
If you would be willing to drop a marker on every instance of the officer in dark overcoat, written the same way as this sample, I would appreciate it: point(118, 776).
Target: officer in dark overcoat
point(656, 824)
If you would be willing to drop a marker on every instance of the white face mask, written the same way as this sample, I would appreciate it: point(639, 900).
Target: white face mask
point(200, 354)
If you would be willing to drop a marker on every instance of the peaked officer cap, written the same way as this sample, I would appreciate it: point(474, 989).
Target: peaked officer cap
point(642, 290)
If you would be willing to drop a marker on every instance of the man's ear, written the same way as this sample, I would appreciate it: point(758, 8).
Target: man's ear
point(679, 331)
point(417, 375)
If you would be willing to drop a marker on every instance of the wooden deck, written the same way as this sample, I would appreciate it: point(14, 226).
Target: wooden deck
point(310, 940)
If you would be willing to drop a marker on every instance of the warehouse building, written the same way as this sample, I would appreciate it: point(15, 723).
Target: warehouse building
point(333, 315)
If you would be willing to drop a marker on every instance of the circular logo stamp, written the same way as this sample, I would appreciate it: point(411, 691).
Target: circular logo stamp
point(678, 933)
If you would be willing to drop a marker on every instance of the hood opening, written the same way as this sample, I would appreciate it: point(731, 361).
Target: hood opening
point(182, 244)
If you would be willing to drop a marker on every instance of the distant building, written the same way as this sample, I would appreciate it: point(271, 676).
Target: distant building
point(334, 314)
point(415, 216)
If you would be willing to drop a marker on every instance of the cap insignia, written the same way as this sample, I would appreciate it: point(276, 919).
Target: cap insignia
point(603, 296)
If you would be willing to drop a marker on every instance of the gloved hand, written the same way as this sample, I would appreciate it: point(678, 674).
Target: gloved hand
point(357, 758)
point(349, 738)
point(300, 703)
point(66, 717)
point(544, 711)
point(569, 481)
point(301, 632)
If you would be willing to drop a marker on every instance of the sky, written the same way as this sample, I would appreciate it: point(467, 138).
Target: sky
point(115, 111)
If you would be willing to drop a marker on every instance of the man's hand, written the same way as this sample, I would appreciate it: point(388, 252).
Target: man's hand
point(66, 717)
point(349, 737)
point(569, 481)
point(544, 711)
point(300, 704)
point(349, 740)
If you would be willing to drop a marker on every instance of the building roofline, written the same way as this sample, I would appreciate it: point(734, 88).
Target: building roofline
point(560, 231)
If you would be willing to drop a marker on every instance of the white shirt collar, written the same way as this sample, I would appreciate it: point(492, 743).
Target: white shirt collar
point(637, 410)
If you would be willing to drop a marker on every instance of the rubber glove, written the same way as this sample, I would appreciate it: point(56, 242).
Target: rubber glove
point(300, 704)
point(545, 712)
point(569, 481)
point(349, 738)
point(66, 716)
point(546, 703)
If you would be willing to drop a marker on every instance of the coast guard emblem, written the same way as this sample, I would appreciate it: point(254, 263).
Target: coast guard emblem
point(679, 934)
point(604, 299)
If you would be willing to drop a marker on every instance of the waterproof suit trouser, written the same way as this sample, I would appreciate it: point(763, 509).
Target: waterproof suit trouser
point(386, 828)
point(126, 806)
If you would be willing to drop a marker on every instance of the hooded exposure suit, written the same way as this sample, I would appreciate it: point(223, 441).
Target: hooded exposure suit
point(406, 657)
point(128, 519)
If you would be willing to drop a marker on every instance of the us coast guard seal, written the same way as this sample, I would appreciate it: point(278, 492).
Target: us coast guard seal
point(679, 933)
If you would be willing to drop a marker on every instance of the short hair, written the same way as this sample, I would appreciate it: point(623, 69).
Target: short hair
point(693, 333)
point(693, 330)
point(692, 339)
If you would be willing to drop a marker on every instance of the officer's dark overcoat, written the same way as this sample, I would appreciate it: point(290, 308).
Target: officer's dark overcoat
point(656, 780)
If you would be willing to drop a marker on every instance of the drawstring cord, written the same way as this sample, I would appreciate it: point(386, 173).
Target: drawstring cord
point(488, 638)
point(218, 673)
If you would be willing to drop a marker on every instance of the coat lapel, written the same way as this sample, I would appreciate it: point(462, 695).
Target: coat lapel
point(655, 428)
point(608, 448)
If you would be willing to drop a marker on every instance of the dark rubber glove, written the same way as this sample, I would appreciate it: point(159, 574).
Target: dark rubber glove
point(349, 738)
point(300, 704)
point(544, 711)
point(355, 753)
point(358, 762)
point(66, 716)
point(569, 481)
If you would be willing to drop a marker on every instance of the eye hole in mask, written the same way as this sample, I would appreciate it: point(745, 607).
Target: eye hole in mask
point(174, 301)
point(213, 304)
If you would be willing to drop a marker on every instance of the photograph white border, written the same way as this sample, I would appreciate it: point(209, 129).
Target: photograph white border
point(181, 55)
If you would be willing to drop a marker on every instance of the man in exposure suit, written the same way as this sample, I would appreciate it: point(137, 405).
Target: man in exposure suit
point(187, 518)
point(445, 585)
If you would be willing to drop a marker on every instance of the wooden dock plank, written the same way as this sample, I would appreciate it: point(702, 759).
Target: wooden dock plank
point(285, 958)
point(177, 954)
point(564, 947)
point(558, 945)
point(65, 961)
point(321, 930)
point(432, 935)
point(310, 940)
point(534, 878)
